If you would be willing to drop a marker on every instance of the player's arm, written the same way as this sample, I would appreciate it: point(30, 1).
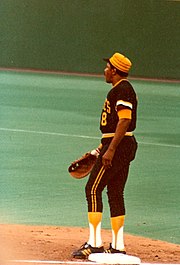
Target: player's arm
point(121, 129)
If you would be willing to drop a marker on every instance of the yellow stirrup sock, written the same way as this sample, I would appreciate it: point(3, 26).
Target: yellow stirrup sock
point(95, 229)
point(117, 225)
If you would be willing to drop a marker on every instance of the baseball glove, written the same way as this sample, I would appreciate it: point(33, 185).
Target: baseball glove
point(81, 167)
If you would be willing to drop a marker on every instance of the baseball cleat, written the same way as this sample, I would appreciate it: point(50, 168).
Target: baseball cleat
point(113, 250)
point(85, 250)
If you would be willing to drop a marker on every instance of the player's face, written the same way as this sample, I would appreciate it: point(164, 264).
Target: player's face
point(108, 73)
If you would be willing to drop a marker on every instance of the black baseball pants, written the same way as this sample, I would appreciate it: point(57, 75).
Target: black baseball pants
point(113, 178)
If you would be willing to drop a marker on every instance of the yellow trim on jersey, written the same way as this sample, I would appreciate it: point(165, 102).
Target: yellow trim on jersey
point(125, 113)
point(124, 79)
point(124, 103)
point(109, 135)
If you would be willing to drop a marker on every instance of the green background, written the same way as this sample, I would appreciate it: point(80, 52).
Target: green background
point(74, 35)
point(48, 120)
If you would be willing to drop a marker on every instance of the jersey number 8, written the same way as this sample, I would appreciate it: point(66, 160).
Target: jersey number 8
point(104, 119)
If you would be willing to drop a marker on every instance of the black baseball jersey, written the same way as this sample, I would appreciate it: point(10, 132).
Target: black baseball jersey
point(121, 96)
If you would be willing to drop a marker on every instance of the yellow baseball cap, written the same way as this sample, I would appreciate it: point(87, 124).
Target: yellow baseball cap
point(120, 62)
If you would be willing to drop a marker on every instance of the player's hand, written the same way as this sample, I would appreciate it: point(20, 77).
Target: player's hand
point(107, 159)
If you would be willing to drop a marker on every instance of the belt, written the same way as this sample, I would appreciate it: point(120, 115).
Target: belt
point(109, 135)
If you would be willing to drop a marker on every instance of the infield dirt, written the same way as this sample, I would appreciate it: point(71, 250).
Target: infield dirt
point(21, 242)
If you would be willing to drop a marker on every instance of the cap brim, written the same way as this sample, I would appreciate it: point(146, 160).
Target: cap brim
point(106, 59)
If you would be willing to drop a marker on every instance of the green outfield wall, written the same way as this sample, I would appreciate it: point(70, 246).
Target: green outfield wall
point(73, 35)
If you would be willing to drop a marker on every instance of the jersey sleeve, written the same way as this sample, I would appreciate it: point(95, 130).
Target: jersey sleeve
point(125, 114)
point(124, 100)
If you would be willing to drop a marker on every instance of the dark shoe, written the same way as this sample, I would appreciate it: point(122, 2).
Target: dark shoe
point(113, 250)
point(86, 250)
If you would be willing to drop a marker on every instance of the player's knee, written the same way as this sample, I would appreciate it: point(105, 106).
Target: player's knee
point(115, 195)
point(94, 199)
point(91, 191)
point(116, 203)
point(87, 190)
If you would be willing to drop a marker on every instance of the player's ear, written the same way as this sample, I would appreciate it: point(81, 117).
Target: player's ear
point(114, 71)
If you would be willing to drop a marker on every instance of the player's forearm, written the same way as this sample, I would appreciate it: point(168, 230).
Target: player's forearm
point(121, 129)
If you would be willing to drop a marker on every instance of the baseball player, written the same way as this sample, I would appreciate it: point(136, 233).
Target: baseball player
point(116, 151)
